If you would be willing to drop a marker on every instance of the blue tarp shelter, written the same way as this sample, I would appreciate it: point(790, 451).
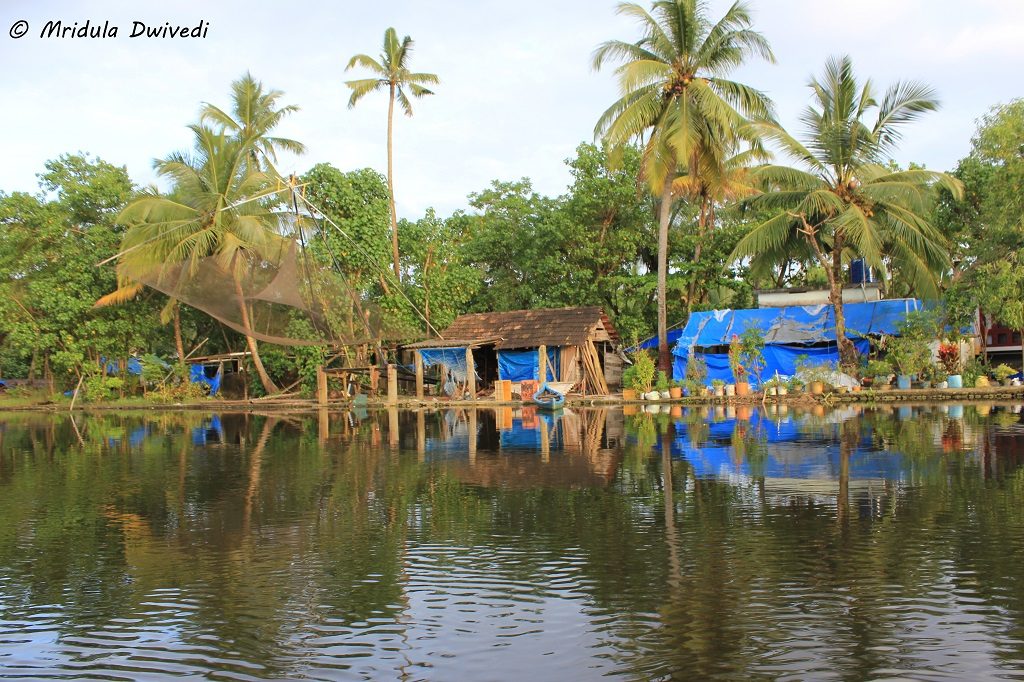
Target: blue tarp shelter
point(199, 375)
point(652, 343)
point(524, 365)
point(788, 333)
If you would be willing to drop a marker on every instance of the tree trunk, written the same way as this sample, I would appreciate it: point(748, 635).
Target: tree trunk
point(391, 189)
point(847, 351)
point(178, 345)
point(702, 221)
point(665, 214)
point(268, 383)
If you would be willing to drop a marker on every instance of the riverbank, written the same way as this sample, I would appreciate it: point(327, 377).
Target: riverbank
point(933, 395)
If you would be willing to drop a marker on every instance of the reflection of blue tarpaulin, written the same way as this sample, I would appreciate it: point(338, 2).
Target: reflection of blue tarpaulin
point(454, 360)
point(789, 453)
point(520, 437)
point(524, 365)
point(788, 333)
point(209, 431)
point(198, 374)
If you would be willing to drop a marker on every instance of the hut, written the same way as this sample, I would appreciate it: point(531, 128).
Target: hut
point(576, 347)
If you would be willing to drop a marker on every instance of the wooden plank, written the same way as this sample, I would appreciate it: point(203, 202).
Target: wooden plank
point(392, 384)
point(542, 362)
point(470, 375)
point(419, 374)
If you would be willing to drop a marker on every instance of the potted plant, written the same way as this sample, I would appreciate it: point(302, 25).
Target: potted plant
point(628, 379)
point(739, 372)
point(719, 387)
point(750, 360)
point(795, 384)
point(675, 389)
point(949, 356)
point(878, 370)
point(775, 386)
point(662, 386)
point(643, 377)
point(1002, 374)
point(939, 376)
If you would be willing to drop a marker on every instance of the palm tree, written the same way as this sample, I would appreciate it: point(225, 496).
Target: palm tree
point(845, 200)
point(391, 73)
point(713, 182)
point(209, 213)
point(254, 114)
point(675, 92)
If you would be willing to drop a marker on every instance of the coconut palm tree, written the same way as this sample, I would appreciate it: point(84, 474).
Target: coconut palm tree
point(677, 99)
point(391, 73)
point(844, 201)
point(254, 114)
point(210, 212)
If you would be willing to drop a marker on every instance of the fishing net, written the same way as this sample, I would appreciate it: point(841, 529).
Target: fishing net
point(284, 297)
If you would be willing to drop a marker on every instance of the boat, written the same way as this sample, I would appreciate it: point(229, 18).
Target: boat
point(547, 398)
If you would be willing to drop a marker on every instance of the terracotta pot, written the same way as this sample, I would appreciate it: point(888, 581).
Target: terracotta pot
point(676, 392)
point(629, 410)
point(742, 388)
point(676, 411)
point(744, 412)
point(629, 394)
point(816, 387)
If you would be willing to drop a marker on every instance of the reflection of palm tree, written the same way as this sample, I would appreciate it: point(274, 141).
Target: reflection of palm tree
point(255, 469)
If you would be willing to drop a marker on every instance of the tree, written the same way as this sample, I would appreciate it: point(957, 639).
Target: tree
point(845, 202)
point(987, 223)
point(675, 91)
point(211, 211)
point(391, 73)
point(254, 114)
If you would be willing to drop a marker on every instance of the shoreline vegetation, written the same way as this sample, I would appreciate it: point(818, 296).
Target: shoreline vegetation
point(1012, 394)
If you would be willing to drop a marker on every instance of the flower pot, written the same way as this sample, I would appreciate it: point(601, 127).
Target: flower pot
point(816, 387)
point(629, 394)
point(925, 384)
point(956, 411)
point(664, 395)
point(629, 410)
point(742, 388)
point(981, 382)
point(675, 392)
point(652, 395)
point(1007, 382)
point(744, 412)
point(867, 381)
point(781, 390)
point(676, 411)
point(903, 382)
point(942, 384)
point(955, 381)
point(719, 391)
point(730, 390)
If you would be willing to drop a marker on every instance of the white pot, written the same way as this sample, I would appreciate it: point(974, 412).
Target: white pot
point(665, 395)
point(653, 395)
point(730, 389)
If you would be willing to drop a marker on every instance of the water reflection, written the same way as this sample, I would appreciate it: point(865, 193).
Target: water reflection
point(505, 543)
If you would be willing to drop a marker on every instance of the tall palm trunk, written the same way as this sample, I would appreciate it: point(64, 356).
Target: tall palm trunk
point(665, 214)
point(847, 351)
point(268, 384)
point(391, 189)
point(178, 345)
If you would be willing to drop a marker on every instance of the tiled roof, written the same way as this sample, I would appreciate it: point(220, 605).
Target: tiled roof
point(532, 328)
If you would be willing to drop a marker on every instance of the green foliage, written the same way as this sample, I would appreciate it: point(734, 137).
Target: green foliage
point(662, 384)
point(909, 351)
point(99, 388)
point(643, 366)
point(697, 371)
point(879, 367)
point(1003, 372)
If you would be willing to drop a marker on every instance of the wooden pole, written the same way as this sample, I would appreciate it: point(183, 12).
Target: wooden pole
point(472, 435)
point(421, 435)
point(419, 374)
point(321, 385)
point(392, 384)
point(542, 363)
point(471, 377)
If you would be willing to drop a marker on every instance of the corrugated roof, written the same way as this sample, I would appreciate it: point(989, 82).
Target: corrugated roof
point(530, 328)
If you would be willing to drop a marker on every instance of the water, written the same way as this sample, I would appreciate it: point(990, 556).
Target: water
point(714, 544)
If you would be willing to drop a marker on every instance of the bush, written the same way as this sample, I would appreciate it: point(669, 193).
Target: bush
point(949, 356)
point(878, 368)
point(697, 370)
point(643, 377)
point(1003, 372)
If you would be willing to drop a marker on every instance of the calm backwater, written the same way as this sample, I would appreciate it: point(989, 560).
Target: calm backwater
point(506, 545)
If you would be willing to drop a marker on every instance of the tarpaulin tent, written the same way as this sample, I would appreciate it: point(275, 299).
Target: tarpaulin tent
point(454, 360)
point(788, 333)
point(652, 343)
point(199, 374)
point(524, 365)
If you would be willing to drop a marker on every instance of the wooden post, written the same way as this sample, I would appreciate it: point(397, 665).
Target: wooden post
point(472, 435)
point(324, 425)
point(321, 385)
point(419, 374)
point(392, 384)
point(374, 380)
point(393, 427)
point(421, 435)
point(542, 362)
point(471, 377)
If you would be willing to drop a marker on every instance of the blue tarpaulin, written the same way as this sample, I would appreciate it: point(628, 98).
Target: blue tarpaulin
point(114, 366)
point(454, 359)
point(198, 375)
point(788, 333)
point(524, 365)
point(651, 343)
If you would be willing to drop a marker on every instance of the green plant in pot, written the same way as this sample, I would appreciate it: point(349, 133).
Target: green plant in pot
point(879, 370)
point(719, 387)
point(662, 386)
point(1002, 374)
point(949, 357)
point(629, 392)
point(644, 369)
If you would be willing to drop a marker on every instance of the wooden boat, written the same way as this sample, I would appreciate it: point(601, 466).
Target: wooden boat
point(547, 398)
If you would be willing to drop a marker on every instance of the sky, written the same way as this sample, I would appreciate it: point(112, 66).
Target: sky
point(517, 92)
